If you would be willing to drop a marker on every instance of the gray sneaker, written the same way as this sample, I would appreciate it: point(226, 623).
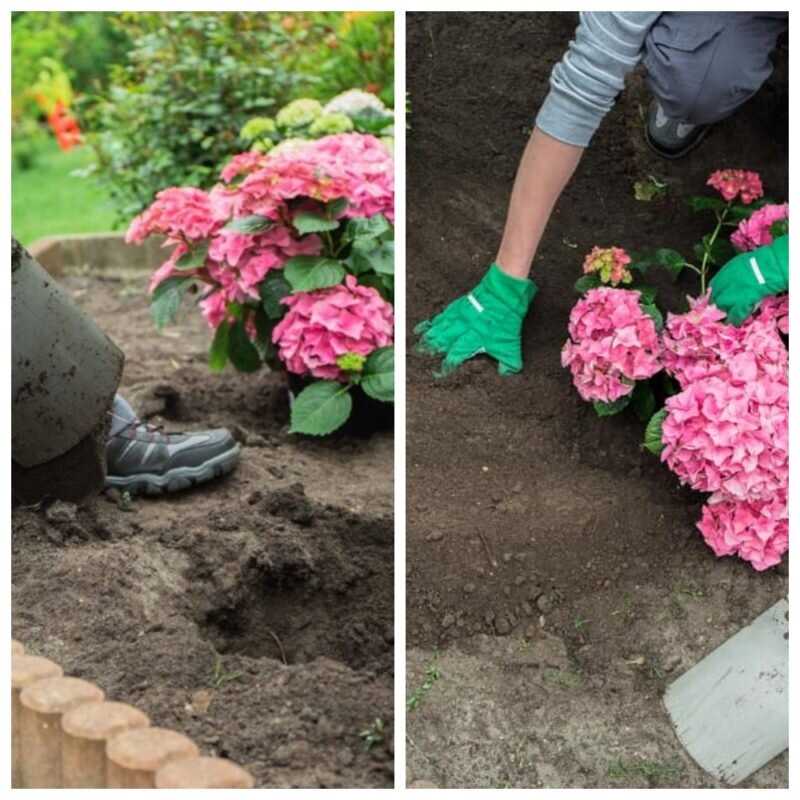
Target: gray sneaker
point(142, 458)
point(668, 137)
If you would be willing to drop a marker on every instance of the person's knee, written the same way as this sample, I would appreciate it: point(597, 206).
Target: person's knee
point(702, 75)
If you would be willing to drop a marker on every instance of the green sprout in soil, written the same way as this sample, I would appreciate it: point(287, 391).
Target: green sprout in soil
point(563, 678)
point(125, 501)
point(220, 677)
point(432, 674)
point(651, 188)
point(655, 773)
point(374, 734)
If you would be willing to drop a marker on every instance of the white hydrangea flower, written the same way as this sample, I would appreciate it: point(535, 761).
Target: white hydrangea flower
point(354, 102)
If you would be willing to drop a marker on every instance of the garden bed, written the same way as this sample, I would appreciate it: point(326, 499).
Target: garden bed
point(556, 581)
point(254, 614)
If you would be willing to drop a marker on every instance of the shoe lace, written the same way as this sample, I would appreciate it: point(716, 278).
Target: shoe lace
point(137, 424)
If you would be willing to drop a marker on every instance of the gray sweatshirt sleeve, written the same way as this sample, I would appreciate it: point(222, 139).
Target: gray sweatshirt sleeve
point(585, 83)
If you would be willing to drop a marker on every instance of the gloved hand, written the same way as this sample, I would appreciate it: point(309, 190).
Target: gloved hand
point(750, 277)
point(487, 320)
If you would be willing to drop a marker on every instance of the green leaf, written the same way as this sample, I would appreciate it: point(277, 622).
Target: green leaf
point(254, 223)
point(609, 409)
point(307, 273)
point(707, 204)
point(241, 351)
point(371, 254)
point(649, 189)
point(367, 228)
point(167, 298)
point(336, 207)
point(652, 310)
point(648, 293)
point(308, 222)
point(264, 327)
point(218, 354)
point(273, 289)
point(779, 228)
point(653, 432)
point(378, 375)
point(321, 408)
point(671, 260)
point(586, 282)
point(643, 400)
point(193, 259)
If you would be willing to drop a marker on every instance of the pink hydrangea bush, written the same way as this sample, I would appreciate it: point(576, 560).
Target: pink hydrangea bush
point(733, 183)
point(613, 343)
point(755, 231)
point(756, 531)
point(293, 247)
point(320, 327)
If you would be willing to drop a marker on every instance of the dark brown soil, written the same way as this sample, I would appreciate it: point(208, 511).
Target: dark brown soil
point(526, 512)
point(253, 614)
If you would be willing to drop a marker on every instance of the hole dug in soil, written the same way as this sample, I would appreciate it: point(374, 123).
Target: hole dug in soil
point(322, 587)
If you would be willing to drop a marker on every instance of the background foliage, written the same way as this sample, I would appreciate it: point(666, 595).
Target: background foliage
point(161, 97)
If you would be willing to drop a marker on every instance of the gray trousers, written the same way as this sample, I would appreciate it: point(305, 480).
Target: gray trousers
point(703, 65)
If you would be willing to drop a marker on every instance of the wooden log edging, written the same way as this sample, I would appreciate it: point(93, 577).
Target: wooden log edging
point(65, 734)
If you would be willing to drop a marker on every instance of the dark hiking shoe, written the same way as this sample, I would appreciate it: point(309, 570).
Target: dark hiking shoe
point(142, 458)
point(668, 137)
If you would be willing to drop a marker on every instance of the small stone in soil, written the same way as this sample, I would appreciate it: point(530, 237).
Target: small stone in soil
point(448, 620)
point(434, 536)
point(544, 603)
point(502, 626)
point(469, 588)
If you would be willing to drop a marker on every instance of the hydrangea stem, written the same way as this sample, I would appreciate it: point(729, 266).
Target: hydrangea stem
point(708, 246)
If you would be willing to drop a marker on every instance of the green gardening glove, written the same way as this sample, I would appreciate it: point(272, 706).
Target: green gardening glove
point(750, 277)
point(487, 320)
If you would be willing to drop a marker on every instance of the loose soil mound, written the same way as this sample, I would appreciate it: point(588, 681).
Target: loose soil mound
point(253, 614)
point(527, 513)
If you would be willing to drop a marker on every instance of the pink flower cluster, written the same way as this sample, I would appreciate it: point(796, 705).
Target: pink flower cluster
point(754, 231)
point(276, 187)
point(727, 432)
point(321, 326)
point(610, 264)
point(179, 213)
point(612, 344)
point(733, 183)
point(757, 531)
point(349, 165)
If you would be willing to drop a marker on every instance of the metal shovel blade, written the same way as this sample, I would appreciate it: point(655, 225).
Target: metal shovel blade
point(731, 710)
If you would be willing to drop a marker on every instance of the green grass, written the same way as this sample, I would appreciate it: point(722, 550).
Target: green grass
point(46, 200)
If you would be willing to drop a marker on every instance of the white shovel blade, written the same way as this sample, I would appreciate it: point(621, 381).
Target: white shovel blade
point(731, 710)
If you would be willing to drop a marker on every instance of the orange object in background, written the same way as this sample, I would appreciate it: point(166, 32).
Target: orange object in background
point(65, 127)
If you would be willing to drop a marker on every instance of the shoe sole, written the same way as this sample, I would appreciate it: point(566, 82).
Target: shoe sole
point(656, 148)
point(178, 479)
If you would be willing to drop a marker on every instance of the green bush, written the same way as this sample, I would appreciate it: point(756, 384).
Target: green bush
point(173, 111)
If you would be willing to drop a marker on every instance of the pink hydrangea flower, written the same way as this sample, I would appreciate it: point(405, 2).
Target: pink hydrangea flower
point(757, 531)
point(178, 213)
point(775, 310)
point(697, 343)
point(612, 344)
point(350, 165)
point(610, 265)
point(754, 231)
point(731, 183)
point(729, 433)
point(320, 326)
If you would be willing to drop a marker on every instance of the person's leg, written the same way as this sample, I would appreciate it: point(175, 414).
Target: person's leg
point(701, 66)
point(143, 458)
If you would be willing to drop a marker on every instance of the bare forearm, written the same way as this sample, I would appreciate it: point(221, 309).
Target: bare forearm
point(545, 168)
